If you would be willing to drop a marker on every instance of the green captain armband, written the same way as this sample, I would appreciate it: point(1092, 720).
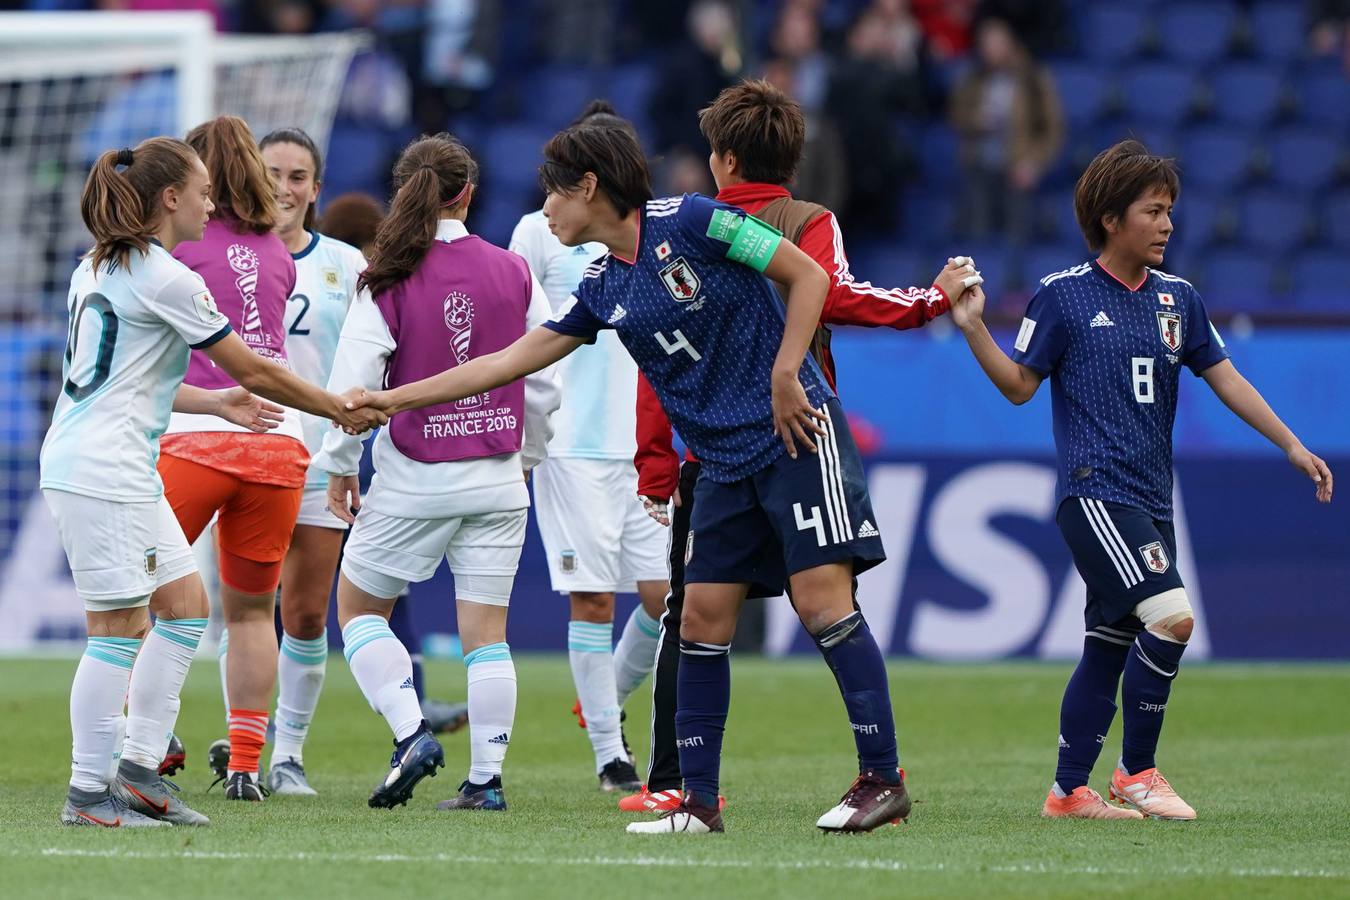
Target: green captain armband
point(752, 242)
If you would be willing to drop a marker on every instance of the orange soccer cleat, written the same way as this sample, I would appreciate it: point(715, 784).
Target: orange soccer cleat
point(657, 801)
point(1083, 803)
point(1149, 793)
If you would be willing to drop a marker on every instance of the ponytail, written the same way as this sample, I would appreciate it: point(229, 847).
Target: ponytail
point(239, 180)
point(122, 209)
point(432, 174)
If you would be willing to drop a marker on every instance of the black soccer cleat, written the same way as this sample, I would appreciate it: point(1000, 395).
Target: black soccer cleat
point(477, 796)
point(218, 759)
point(619, 775)
point(871, 801)
point(415, 757)
point(245, 786)
point(175, 758)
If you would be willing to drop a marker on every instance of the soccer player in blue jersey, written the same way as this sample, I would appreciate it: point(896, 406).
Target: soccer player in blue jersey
point(781, 497)
point(1112, 334)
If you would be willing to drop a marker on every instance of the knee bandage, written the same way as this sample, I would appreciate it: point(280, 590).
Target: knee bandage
point(1162, 611)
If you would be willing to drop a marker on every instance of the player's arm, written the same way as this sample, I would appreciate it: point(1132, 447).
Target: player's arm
point(806, 283)
point(543, 393)
point(537, 349)
point(235, 405)
point(1238, 395)
point(1015, 381)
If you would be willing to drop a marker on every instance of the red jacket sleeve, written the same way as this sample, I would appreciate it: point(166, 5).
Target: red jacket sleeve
point(851, 302)
point(658, 464)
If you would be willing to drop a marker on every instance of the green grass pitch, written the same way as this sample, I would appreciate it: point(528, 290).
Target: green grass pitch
point(1260, 751)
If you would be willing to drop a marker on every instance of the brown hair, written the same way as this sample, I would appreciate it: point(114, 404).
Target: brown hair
point(431, 174)
point(300, 138)
point(240, 185)
point(352, 217)
point(609, 151)
point(122, 209)
point(761, 125)
point(1117, 177)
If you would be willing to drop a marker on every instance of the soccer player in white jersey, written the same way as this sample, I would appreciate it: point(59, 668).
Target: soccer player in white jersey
point(598, 538)
point(134, 313)
point(1113, 334)
point(325, 282)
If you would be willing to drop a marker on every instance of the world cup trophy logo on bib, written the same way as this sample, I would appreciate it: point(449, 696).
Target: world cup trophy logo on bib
point(459, 319)
point(244, 262)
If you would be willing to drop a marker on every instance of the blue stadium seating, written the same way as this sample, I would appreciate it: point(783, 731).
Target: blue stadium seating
point(510, 155)
point(1043, 260)
point(1197, 33)
point(1277, 29)
point(1239, 279)
point(1085, 92)
point(555, 95)
point(1304, 157)
point(1215, 157)
point(1112, 32)
point(1274, 219)
point(1336, 219)
point(1324, 98)
point(1197, 218)
point(1248, 94)
point(1159, 93)
point(1320, 277)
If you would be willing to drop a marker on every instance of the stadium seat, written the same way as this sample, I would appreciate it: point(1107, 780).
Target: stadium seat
point(1199, 219)
point(1250, 94)
point(629, 88)
point(1336, 219)
point(1215, 157)
point(1277, 30)
point(939, 157)
point(930, 214)
point(1238, 279)
point(511, 155)
point(1159, 93)
point(1085, 91)
point(1045, 259)
point(1057, 218)
point(887, 265)
point(359, 158)
point(1324, 98)
point(1112, 32)
point(1196, 33)
point(555, 95)
point(1304, 158)
point(1319, 279)
point(1277, 219)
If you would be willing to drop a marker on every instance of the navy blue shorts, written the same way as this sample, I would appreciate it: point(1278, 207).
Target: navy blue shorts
point(1124, 554)
point(792, 515)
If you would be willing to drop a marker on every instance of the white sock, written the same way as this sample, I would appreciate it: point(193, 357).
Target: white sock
point(383, 670)
point(492, 709)
point(97, 696)
point(222, 650)
point(156, 682)
point(300, 670)
point(592, 658)
point(635, 654)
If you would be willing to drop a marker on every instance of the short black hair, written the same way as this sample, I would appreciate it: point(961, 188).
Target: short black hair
point(610, 151)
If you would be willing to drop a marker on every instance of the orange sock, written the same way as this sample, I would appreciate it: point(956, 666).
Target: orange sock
point(248, 733)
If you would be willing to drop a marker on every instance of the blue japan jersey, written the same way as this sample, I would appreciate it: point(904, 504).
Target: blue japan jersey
point(704, 330)
point(1114, 358)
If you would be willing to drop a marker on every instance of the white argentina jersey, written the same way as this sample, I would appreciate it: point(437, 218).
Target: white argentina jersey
point(598, 416)
point(126, 355)
point(325, 282)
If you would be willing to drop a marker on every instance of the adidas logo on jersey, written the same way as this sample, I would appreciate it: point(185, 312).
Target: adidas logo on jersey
point(500, 739)
point(619, 313)
point(1101, 319)
point(408, 684)
point(868, 529)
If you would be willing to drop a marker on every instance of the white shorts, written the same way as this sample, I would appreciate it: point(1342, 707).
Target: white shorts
point(385, 553)
point(314, 510)
point(119, 552)
point(596, 533)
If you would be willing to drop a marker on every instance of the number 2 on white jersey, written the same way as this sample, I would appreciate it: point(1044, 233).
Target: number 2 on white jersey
point(1141, 367)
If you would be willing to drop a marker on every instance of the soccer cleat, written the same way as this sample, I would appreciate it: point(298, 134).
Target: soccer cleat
point(1149, 793)
point(415, 757)
point(245, 786)
point(477, 796)
point(175, 759)
point(656, 801)
point(576, 711)
point(869, 802)
point(287, 778)
point(103, 809)
point(619, 775)
point(686, 818)
point(445, 718)
point(218, 760)
point(147, 792)
point(1083, 803)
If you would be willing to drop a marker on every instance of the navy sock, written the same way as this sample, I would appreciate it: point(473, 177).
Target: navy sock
point(703, 695)
point(1088, 707)
point(1148, 681)
point(854, 657)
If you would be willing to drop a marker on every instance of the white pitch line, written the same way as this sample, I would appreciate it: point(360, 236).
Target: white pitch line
point(880, 865)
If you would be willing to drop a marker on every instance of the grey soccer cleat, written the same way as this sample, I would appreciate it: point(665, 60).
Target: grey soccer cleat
point(103, 809)
point(287, 778)
point(147, 792)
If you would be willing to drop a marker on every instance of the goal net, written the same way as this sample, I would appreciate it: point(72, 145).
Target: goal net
point(71, 86)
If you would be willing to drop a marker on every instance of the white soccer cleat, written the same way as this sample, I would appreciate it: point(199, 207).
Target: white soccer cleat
point(1149, 793)
point(687, 818)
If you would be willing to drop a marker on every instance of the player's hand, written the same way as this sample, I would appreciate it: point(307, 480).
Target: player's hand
point(1312, 465)
point(359, 411)
point(794, 418)
point(344, 497)
point(958, 275)
point(657, 508)
point(237, 405)
point(359, 397)
point(968, 309)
